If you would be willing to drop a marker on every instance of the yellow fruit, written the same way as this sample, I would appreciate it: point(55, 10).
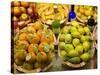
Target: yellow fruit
point(73, 53)
point(16, 11)
point(81, 10)
point(14, 18)
point(24, 4)
point(23, 36)
point(31, 29)
point(23, 10)
point(88, 13)
point(24, 17)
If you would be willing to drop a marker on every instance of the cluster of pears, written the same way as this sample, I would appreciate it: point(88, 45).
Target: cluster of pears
point(75, 43)
point(84, 12)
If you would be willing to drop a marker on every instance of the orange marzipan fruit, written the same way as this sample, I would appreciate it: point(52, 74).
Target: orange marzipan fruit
point(44, 56)
point(39, 33)
point(36, 39)
point(45, 39)
point(23, 36)
point(33, 55)
point(41, 47)
point(30, 48)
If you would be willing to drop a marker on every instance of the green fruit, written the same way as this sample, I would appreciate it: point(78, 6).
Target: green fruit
point(30, 37)
point(56, 30)
point(64, 55)
point(76, 42)
point(62, 45)
point(49, 57)
point(86, 46)
point(51, 47)
point(22, 44)
point(39, 57)
point(27, 66)
point(88, 38)
point(73, 53)
point(35, 48)
point(20, 55)
point(68, 38)
point(56, 24)
point(62, 37)
point(46, 47)
point(83, 38)
point(85, 57)
point(74, 60)
point(75, 23)
point(42, 57)
point(76, 34)
point(65, 30)
point(87, 30)
point(79, 48)
point(81, 30)
point(73, 29)
point(69, 47)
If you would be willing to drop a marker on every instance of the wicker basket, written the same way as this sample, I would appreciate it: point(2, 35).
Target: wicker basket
point(81, 64)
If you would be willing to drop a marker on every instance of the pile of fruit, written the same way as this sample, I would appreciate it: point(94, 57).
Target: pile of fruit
point(35, 24)
point(85, 12)
point(22, 13)
point(34, 46)
point(75, 43)
point(50, 12)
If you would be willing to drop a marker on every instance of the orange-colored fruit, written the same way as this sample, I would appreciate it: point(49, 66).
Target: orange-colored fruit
point(81, 10)
point(36, 39)
point(51, 39)
point(39, 33)
point(41, 47)
point(37, 26)
point(23, 36)
point(24, 4)
point(31, 29)
point(41, 57)
point(44, 39)
point(44, 56)
point(15, 3)
point(33, 55)
point(22, 44)
point(47, 39)
point(16, 11)
point(30, 48)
